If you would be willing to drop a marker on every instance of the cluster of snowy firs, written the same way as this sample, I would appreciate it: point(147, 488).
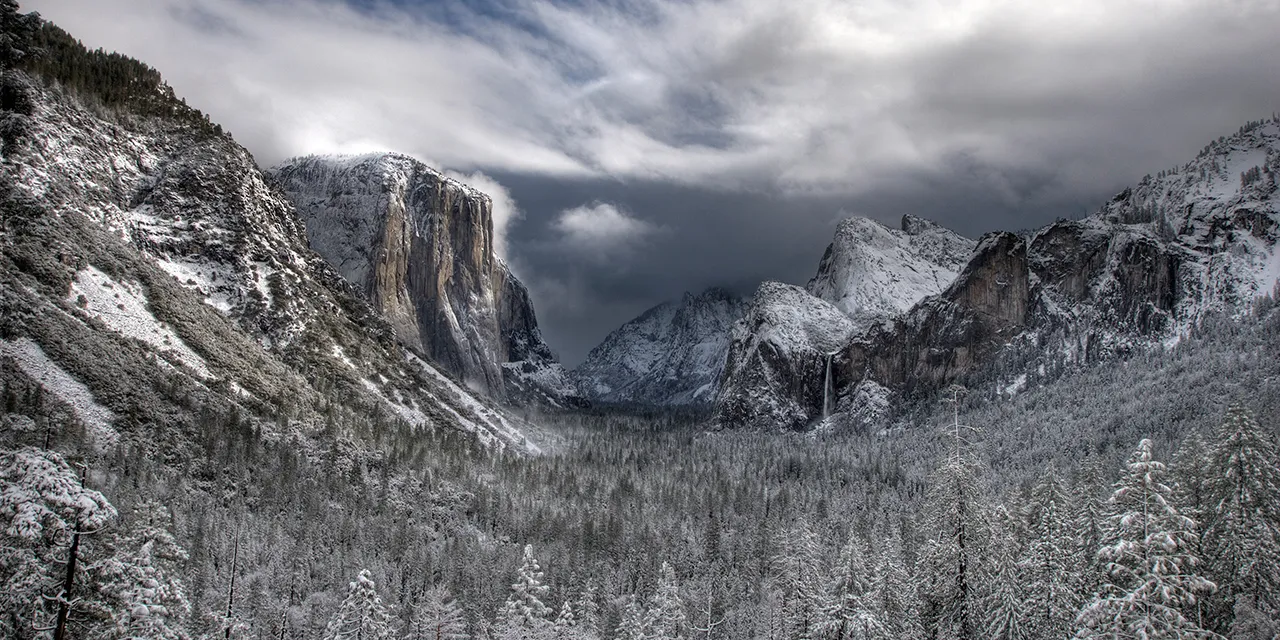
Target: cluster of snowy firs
point(1191, 551)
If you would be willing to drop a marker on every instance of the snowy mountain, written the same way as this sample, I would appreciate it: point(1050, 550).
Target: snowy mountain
point(779, 370)
point(870, 271)
point(419, 246)
point(148, 267)
point(671, 355)
point(1192, 243)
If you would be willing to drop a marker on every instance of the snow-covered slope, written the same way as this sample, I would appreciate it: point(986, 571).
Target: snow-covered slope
point(420, 247)
point(871, 272)
point(671, 355)
point(145, 254)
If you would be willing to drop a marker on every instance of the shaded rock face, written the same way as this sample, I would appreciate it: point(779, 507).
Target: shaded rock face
point(671, 355)
point(944, 337)
point(778, 355)
point(420, 247)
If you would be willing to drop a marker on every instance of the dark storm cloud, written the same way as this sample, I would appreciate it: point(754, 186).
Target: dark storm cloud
point(641, 148)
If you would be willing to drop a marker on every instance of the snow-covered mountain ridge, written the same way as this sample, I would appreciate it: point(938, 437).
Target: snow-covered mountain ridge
point(870, 271)
point(420, 247)
point(1190, 243)
point(670, 355)
point(779, 361)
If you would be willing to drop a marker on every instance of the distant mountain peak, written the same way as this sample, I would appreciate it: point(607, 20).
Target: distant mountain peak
point(670, 355)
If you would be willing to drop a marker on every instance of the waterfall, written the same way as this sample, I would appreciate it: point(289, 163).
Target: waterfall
point(828, 392)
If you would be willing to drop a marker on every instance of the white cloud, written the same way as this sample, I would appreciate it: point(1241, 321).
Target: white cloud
point(808, 95)
point(600, 229)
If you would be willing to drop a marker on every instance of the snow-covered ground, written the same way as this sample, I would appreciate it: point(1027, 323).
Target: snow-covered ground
point(36, 363)
point(123, 308)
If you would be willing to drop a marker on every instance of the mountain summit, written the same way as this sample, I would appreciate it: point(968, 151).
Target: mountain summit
point(671, 355)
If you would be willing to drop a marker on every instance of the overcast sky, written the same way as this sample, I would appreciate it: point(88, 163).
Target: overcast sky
point(637, 149)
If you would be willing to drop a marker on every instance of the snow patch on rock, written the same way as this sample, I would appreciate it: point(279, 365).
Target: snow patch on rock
point(123, 308)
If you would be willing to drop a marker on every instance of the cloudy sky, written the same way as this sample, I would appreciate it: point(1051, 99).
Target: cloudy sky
point(640, 148)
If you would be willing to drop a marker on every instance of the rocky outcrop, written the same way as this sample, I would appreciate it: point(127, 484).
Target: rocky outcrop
point(419, 246)
point(778, 359)
point(870, 271)
point(671, 355)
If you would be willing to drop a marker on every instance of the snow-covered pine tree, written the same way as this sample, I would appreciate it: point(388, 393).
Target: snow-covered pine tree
point(362, 615)
point(141, 580)
point(897, 603)
point(587, 615)
point(849, 608)
point(634, 622)
point(1151, 573)
point(1087, 522)
point(799, 573)
point(1050, 563)
point(46, 516)
point(666, 617)
point(437, 616)
point(1005, 600)
point(525, 616)
point(1241, 538)
point(952, 562)
point(565, 626)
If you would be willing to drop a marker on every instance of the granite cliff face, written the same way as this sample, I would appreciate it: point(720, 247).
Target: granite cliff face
point(781, 365)
point(1193, 242)
point(671, 355)
point(420, 247)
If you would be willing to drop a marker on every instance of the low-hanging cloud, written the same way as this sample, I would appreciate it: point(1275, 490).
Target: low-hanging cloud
point(601, 230)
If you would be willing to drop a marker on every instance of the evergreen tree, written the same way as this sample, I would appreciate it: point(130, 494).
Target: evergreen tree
point(362, 615)
point(437, 616)
point(1005, 602)
point(587, 615)
point(1050, 563)
point(46, 519)
point(666, 618)
point(142, 579)
point(952, 564)
point(1242, 518)
point(566, 623)
point(16, 30)
point(896, 600)
point(634, 623)
point(525, 615)
point(799, 573)
point(849, 611)
point(1151, 573)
